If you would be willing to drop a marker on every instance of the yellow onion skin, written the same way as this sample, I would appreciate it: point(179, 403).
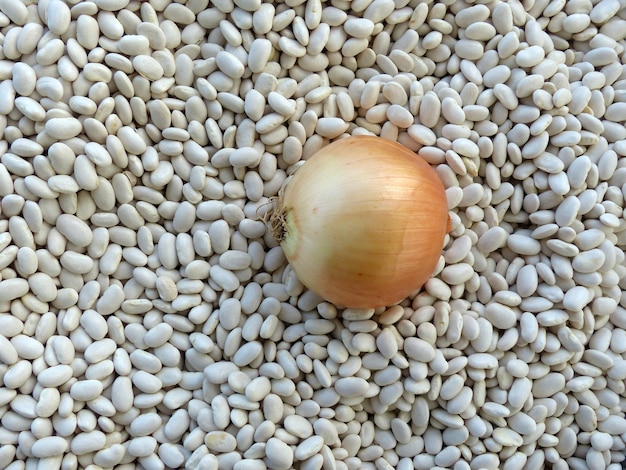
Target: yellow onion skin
point(364, 222)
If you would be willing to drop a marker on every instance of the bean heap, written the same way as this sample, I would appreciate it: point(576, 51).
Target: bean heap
point(150, 321)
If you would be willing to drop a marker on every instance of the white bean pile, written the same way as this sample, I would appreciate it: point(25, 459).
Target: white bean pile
point(149, 320)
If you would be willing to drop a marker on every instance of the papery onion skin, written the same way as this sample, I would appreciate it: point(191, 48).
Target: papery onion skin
point(365, 220)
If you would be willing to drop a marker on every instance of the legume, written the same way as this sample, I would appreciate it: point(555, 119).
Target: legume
point(149, 319)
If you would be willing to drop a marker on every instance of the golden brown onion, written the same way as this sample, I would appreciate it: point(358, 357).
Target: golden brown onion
point(363, 222)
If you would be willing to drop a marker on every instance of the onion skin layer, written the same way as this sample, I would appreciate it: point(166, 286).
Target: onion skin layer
point(365, 222)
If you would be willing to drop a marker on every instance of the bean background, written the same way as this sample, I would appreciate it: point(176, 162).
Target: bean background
point(148, 320)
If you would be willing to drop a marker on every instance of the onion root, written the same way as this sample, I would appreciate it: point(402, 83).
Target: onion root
point(275, 218)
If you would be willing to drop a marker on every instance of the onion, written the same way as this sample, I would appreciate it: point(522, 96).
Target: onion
point(362, 222)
